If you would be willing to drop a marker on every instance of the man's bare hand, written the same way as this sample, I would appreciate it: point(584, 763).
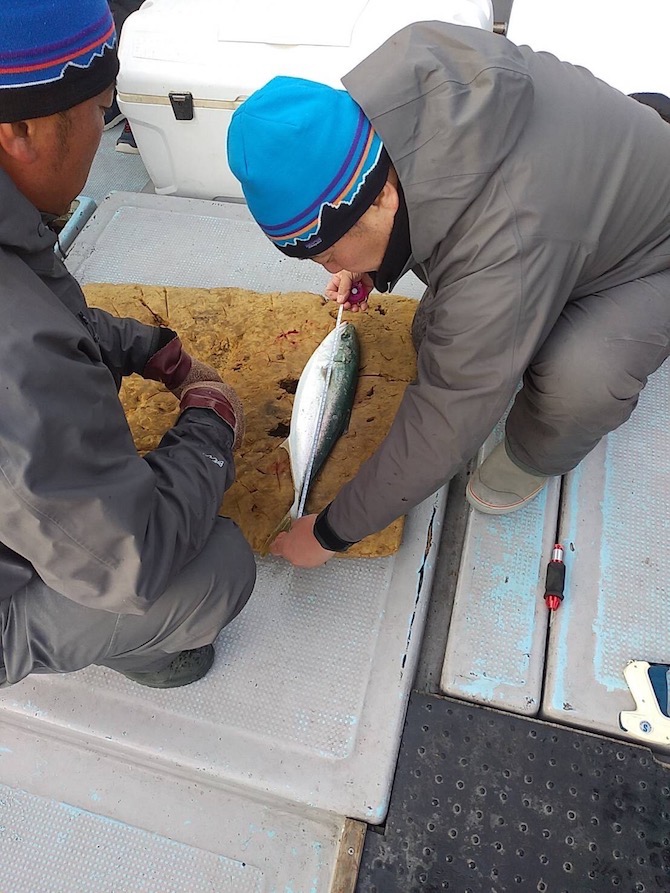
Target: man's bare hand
point(339, 289)
point(300, 546)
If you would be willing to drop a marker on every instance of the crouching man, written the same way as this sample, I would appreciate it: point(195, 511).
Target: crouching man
point(105, 557)
point(532, 199)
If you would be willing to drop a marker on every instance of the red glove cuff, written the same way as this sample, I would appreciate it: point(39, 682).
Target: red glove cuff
point(209, 398)
point(171, 364)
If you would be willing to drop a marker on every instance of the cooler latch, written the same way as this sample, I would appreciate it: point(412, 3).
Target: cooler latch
point(182, 106)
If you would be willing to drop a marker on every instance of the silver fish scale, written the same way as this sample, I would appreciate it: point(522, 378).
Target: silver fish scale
point(319, 416)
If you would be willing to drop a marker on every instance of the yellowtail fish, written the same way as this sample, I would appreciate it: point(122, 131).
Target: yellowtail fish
point(309, 443)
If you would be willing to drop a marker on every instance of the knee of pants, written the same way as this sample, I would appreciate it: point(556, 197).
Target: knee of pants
point(595, 392)
point(216, 585)
point(198, 603)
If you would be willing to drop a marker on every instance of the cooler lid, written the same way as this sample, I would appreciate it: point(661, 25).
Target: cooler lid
point(266, 21)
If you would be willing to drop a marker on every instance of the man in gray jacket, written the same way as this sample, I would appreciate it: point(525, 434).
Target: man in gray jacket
point(105, 557)
point(534, 202)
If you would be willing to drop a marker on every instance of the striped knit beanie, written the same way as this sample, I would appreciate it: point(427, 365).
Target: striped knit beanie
point(309, 162)
point(54, 54)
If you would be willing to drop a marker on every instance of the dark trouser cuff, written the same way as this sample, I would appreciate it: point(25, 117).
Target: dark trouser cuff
point(519, 463)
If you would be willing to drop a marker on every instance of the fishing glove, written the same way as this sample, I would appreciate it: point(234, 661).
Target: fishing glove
point(176, 368)
point(221, 398)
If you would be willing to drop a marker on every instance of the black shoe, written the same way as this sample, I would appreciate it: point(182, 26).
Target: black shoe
point(187, 667)
point(113, 115)
point(126, 142)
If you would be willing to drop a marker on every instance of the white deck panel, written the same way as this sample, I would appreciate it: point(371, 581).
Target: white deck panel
point(307, 697)
point(497, 636)
point(153, 239)
point(615, 527)
point(89, 823)
point(623, 43)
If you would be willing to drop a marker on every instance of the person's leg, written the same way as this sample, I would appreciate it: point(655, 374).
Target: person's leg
point(44, 632)
point(584, 382)
point(208, 593)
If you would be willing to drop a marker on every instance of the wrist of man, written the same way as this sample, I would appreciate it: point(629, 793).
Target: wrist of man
point(170, 364)
point(326, 537)
point(210, 398)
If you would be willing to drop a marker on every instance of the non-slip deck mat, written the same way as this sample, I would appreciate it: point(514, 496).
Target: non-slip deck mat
point(615, 526)
point(497, 635)
point(67, 850)
point(485, 802)
point(74, 819)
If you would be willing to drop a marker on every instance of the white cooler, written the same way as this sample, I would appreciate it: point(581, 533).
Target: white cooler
point(186, 65)
point(624, 43)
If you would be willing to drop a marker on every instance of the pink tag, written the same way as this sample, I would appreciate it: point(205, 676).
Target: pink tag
point(359, 292)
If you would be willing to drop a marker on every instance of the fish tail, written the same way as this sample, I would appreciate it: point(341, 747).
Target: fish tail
point(284, 524)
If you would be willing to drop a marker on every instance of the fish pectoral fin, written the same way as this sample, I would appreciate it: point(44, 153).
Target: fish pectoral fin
point(284, 445)
point(284, 524)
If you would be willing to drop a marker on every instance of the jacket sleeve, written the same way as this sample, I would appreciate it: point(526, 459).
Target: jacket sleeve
point(481, 333)
point(125, 344)
point(99, 524)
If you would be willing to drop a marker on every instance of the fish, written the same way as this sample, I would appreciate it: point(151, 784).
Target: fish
point(339, 401)
point(337, 409)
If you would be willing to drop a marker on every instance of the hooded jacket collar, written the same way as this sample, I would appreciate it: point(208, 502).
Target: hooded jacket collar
point(398, 251)
point(449, 103)
point(23, 230)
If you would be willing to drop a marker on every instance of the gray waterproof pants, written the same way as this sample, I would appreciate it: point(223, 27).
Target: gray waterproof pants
point(44, 632)
point(586, 378)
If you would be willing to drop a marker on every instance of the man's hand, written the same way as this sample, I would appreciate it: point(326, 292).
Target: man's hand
point(199, 372)
point(339, 289)
point(300, 546)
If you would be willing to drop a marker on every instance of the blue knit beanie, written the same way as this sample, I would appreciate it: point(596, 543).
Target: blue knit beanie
point(54, 54)
point(309, 162)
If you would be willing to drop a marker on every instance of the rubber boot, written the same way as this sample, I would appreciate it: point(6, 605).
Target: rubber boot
point(187, 667)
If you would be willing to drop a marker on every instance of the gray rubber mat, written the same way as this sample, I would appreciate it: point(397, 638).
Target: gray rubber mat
point(485, 802)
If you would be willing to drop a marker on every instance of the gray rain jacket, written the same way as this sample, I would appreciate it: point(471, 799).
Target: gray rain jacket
point(80, 511)
point(528, 182)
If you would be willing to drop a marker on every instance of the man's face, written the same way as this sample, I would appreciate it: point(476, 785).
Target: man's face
point(69, 143)
point(362, 249)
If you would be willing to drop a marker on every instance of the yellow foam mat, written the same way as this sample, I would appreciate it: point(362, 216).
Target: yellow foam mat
point(259, 344)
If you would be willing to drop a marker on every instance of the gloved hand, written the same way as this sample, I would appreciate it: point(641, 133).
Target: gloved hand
point(221, 398)
point(176, 368)
point(198, 372)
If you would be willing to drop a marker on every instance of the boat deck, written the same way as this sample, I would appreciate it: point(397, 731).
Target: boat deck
point(265, 775)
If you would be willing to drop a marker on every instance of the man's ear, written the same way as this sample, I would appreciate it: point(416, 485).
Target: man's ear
point(388, 199)
point(17, 141)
